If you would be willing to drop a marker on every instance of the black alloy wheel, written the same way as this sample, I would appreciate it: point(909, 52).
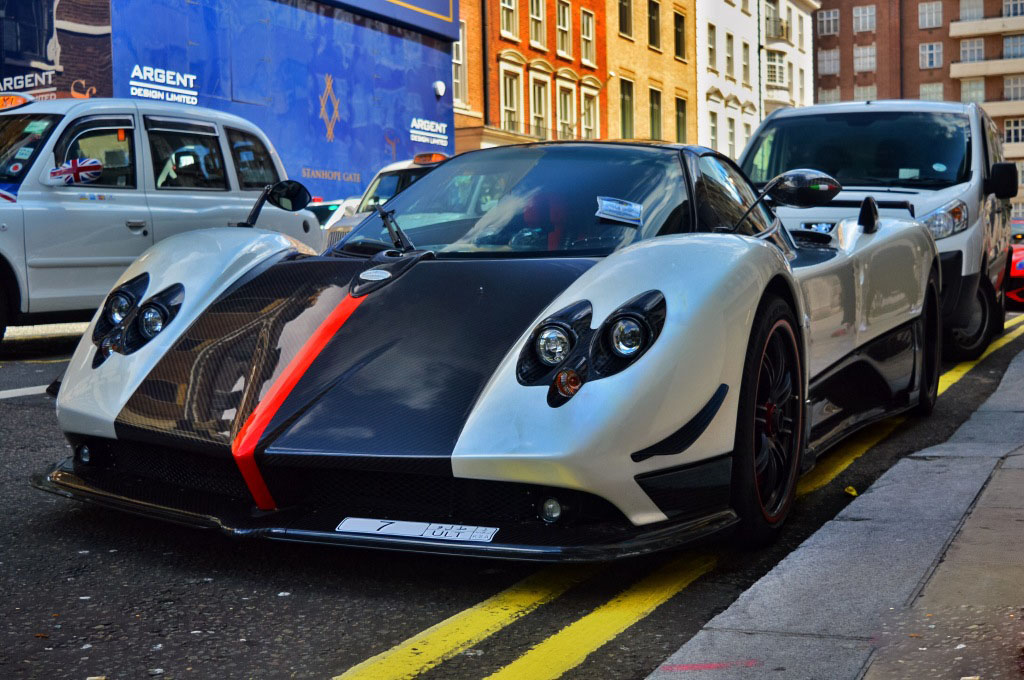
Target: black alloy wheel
point(969, 341)
point(931, 328)
point(769, 431)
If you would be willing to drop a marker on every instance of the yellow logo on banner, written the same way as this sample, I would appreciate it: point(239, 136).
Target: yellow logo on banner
point(328, 96)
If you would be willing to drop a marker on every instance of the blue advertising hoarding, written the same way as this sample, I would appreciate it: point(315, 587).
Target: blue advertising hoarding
point(440, 17)
point(339, 94)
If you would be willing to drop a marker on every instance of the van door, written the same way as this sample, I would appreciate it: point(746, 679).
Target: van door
point(79, 237)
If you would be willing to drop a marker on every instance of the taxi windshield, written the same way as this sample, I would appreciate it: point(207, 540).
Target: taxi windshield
point(22, 135)
point(558, 199)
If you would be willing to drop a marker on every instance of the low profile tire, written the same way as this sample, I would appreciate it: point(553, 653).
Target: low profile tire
point(969, 342)
point(769, 428)
point(932, 349)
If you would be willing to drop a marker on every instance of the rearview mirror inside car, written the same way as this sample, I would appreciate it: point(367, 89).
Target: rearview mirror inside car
point(803, 188)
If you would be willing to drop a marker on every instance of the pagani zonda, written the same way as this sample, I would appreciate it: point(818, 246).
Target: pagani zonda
point(552, 351)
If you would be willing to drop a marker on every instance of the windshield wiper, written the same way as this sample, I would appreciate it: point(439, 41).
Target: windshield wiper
point(398, 236)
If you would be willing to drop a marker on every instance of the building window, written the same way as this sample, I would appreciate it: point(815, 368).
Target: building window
point(591, 124)
point(27, 28)
point(1013, 130)
point(730, 126)
point(775, 72)
point(930, 55)
point(626, 17)
point(1017, 209)
point(539, 98)
point(655, 113)
point(746, 133)
point(864, 58)
point(931, 92)
point(511, 100)
point(626, 107)
point(971, 10)
point(654, 24)
point(459, 85)
point(566, 112)
point(746, 63)
point(563, 29)
point(828, 62)
point(972, 90)
point(972, 49)
point(712, 49)
point(730, 67)
point(929, 14)
point(863, 93)
point(800, 40)
point(1013, 46)
point(863, 18)
point(801, 102)
point(538, 24)
point(1013, 8)
point(681, 121)
point(828, 21)
point(587, 37)
point(828, 95)
point(789, 78)
point(679, 26)
point(713, 124)
point(510, 18)
point(1013, 88)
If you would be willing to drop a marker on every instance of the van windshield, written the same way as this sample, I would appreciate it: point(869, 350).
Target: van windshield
point(866, 148)
point(21, 138)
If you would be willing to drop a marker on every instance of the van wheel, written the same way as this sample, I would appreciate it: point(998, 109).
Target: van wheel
point(969, 341)
point(931, 326)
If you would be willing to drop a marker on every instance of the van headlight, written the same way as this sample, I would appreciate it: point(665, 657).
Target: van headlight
point(947, 220)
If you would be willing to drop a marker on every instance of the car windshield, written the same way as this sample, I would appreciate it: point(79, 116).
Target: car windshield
point(22, 135)
point(568, 199)
point(387, 184)
point(866, 148)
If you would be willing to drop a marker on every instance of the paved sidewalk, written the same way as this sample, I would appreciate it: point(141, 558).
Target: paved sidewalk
point(922, 576)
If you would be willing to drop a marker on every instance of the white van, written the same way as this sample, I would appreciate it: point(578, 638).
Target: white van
point(941, 163)
point(86, 185)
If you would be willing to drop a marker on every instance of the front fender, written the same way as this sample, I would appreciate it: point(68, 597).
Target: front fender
point(712, 284)
point(206, 262)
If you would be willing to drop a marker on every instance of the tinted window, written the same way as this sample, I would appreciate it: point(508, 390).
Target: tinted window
point(253, 164)
point(866, 148)
point(385, 186)
point(186, 160)
point(110, 141)
point(21, 138)
point(727, 195)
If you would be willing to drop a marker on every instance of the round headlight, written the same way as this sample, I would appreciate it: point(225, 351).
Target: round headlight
point(151, 321)
point(553, 345)
point(118, 308)
point(627, 337)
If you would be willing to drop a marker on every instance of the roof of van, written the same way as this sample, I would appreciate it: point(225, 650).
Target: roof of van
point(879, 105)
point(65, 106)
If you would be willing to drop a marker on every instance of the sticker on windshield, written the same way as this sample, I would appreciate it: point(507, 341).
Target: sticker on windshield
point(36, 127)
point(909, 173)
point(938, 167)
point(620, 211)
point(24, 152)
point(14, 168)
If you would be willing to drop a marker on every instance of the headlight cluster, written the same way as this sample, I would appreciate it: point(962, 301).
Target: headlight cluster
point(564, 352)
point(129, 319)
point(947, 220)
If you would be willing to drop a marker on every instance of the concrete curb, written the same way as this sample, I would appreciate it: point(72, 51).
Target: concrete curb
point(818, 613)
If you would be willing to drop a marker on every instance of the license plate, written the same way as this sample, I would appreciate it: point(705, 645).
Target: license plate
point(440, 532)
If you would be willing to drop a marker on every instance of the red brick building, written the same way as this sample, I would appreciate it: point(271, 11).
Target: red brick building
point(533, 69)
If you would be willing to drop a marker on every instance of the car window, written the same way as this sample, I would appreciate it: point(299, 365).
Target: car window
point(110, 141)
point(186, 154)
point(254, 166)
point(21, 138)
point(727, 196)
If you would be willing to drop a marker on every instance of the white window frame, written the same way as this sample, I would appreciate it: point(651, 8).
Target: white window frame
point(864, 19)
point(863, 93)
point(661, 112)
point(745, 66)
point(801, 88)
point(563, 32)
point(828, 95)
point(713, 129)
point(1013, 8)
point(587, 39)
point(1013, 88)
point(545, 80)
point(730, 58)
point(865, 58)
point(730, 127)
point(828, 62)
point(971, 92)
point(1013, 46)
point(972, 49)
point(510, 11)
point(504, 68)
point(972, 10)
point(828, 22)
point(926, 92)
point(775, 71)
point(585, 130)
point(929, 14)
point(712, 47)
point(538, 25)
point(567, 86)
point(1013, 130)
point(460, 88)
point(930, 55)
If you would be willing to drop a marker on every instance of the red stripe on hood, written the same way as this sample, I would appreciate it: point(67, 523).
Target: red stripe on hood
point(243, 448)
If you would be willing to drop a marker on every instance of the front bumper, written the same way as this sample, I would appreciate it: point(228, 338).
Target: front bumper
point(210, 497)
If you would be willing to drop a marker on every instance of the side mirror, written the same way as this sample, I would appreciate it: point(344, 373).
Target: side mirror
point(1002, 180)
point(289, 195)
point(803, 188)
point(74, 172)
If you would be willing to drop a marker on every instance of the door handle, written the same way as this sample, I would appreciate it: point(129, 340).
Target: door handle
point(137, 227)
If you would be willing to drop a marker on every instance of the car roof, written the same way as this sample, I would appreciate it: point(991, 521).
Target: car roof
point(67, 106)
point(887, 105)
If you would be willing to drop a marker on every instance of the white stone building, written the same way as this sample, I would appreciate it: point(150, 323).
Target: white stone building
point(787, 54)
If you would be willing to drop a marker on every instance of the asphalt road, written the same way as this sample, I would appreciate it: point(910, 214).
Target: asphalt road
point(86, 592)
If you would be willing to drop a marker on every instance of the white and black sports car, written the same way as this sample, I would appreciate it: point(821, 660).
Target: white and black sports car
point(554, 351)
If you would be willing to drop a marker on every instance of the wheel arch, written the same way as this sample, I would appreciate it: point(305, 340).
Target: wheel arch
point(10, 287)
point(784, 288)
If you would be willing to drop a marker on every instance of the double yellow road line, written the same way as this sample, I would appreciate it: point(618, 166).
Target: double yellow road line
point(570, 646)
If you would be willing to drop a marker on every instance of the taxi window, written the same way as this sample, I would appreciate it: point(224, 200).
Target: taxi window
point(111, 141)
point(186, 154)
point(254, 166)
